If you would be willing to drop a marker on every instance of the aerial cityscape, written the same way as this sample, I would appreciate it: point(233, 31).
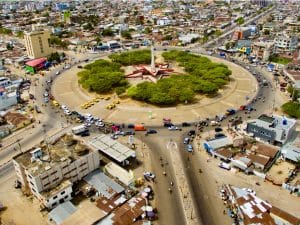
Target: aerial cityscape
point(150, 112)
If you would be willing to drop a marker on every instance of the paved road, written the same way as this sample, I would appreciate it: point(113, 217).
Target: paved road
point(249, 21)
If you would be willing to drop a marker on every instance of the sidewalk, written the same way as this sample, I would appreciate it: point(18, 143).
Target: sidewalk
point(185, 195)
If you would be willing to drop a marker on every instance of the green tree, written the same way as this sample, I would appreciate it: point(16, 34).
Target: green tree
point(108, 32)
point(292, 109)
point(240, 20)
point(126, 34)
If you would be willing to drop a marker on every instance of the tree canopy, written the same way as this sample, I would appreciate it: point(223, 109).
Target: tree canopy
point(204, 77)
point(292, 109)
point(132, 58)
point(102, 76)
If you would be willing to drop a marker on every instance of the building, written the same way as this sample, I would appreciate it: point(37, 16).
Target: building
point(273, 129)
point(248, 209)
point(291, 151)
point(48, 171)
point(113, 149)
point(285, 42)
point(35, 65)
point(37, 43)
point(8, 98)
point(262, 50)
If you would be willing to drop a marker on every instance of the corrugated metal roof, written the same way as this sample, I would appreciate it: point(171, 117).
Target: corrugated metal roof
point(219, 143)
point(112, 148)
point(103, 184)
point(62, 212)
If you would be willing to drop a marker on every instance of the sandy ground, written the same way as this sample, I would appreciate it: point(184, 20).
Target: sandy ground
point(20, 209)
point(280, 171)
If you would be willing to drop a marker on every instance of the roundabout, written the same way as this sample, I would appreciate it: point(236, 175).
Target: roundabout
point(241, 88)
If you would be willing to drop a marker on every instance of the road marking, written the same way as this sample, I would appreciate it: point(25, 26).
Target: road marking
point(243, 91)
point(171, 144)
point(227, 103)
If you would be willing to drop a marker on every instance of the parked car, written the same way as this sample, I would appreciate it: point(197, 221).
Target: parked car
point(189, 148)
point(131, 126)
point(174, 128)
point(186, 140)
point(149, 176)
point(230, 112)
point(79, 67)
point(130, 132)
point(168, 124)
point(85, 134)
point(57, 72)
point(151, 131)
point(218, 129)
point(185, 124)
point(191, 132)
point(219, 135)
point(67, 112)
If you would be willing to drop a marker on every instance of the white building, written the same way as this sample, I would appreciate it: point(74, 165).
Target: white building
point(49, 171)
point(273, 129)
point(284, 42)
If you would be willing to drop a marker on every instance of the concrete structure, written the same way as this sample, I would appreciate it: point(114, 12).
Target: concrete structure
point(49, 170)
point(7, 99)
point(285, 42)
point(291, 151)
point(37, 43)
point(113, 149)
point(262, 50)
point(275, 129)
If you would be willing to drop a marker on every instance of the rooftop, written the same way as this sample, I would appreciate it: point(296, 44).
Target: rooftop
point(62, 149)
point(112, 148)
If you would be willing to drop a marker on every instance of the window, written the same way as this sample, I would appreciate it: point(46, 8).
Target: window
point(54, 197)
point(33, 189)
point(29, 176)
point(63, 192)
point(56, 179)
point(46, 184)
point(53, 172)
point(54, 204)
point(31, 183)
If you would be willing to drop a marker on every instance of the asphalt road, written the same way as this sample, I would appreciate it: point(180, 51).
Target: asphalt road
point(168, 204)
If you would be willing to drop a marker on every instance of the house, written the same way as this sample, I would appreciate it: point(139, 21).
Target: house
point(273, 129)
point(35, 65)
point(262, 50)
point(7, 98)
point(216, 143)
point(49, 171)
point(249, 209)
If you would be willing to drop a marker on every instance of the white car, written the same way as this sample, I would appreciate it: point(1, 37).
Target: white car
point(99, 124)
point(57, 73)
point(64, 107)
point(67, 112)
point(46, 94)
point(67, 66)
point(173, 128)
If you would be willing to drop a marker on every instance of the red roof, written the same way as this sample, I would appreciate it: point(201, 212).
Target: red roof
point(36, 62)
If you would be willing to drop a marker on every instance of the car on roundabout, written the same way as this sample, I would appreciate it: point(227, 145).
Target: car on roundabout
point(149, 176)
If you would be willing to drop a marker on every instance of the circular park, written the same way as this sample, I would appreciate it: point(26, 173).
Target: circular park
point(152, 85)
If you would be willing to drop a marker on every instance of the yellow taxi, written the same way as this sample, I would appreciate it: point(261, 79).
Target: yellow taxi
point(55, 103)
point(110, 106)
point(107, 98)
point(117, 101)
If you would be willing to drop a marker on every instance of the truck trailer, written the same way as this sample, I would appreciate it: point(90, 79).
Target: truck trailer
point(79, 129)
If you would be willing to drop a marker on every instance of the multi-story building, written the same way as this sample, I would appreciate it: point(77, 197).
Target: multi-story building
point(37, 42)
point(262, 49)
point(284, 42)
point(49, 171)
point(275, 129)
